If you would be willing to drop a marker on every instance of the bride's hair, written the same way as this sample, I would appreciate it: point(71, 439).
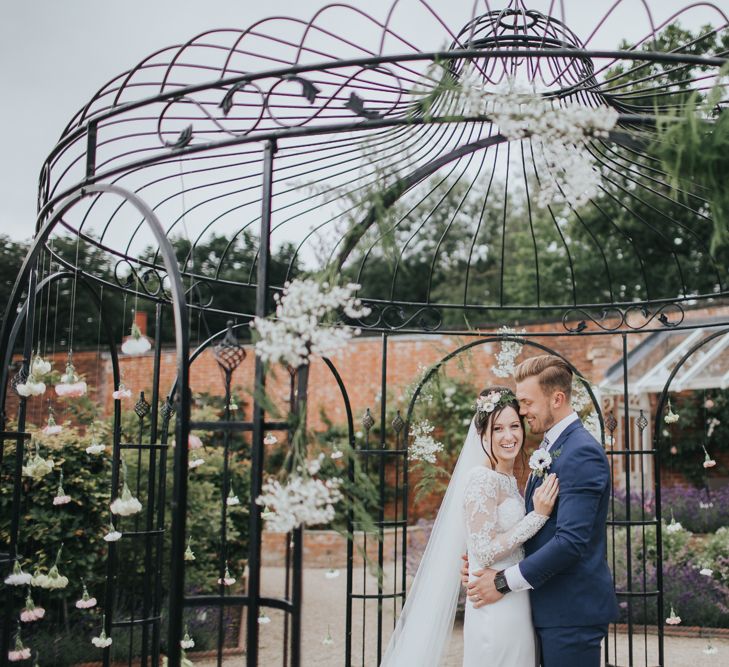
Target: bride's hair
point(485, 421)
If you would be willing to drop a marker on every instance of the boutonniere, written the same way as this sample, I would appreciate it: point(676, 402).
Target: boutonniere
point(541, 461)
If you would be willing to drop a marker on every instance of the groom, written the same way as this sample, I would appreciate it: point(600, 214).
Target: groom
point(572, 597)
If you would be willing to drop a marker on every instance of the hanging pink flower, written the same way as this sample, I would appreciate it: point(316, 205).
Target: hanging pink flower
point(61, 498)
point(52, 428)
point(708, 461)
point(31, 612)
point(86, 601)
point(20, 652)
point(193, 442)
point(136, 343)
point(71, 385)
point(673, 619)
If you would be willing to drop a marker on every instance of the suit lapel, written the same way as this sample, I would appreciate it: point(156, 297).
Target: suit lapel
point(559, 443)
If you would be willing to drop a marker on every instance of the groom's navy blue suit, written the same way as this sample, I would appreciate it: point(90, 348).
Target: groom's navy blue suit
point(573, 598)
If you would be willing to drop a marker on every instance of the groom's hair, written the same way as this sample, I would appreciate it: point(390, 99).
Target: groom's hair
point(552, 372)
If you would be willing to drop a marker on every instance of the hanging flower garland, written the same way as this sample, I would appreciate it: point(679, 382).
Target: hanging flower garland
point(424, 447)
point(298, 333)
point(568, 174)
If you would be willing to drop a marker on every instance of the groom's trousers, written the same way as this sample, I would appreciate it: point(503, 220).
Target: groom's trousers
point(571, 647)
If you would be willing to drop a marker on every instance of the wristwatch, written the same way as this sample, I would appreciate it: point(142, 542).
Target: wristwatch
point(501, 584)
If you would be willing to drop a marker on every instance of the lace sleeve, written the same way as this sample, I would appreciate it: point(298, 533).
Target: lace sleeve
point(480, 506)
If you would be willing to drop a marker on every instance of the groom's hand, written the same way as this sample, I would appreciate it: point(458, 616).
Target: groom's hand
point(482, 591)
point(464, 570)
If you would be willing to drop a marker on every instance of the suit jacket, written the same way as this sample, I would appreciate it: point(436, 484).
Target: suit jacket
point(566, 561)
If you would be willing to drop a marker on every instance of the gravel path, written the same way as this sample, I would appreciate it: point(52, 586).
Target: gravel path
point(324, 609)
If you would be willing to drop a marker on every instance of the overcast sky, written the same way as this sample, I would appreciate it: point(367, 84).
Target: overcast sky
point(55, 54)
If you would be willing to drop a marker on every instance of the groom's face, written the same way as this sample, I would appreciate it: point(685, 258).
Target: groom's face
point(534, 404)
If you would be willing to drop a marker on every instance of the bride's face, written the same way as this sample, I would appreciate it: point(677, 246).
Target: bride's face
point(507, 435)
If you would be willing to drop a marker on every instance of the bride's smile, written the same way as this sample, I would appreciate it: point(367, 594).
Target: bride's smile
point(506, 439)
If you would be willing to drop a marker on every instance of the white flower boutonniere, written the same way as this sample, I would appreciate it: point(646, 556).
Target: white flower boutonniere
point(540, 462)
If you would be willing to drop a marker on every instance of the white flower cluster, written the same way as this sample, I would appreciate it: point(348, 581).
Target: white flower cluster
point(568, 173)
point(592, 424)
point(506, 356)
point(17, 577)
point(424, 446)
point(297, 334)
point(34, 385)
point(301, 501)
point(540, 462)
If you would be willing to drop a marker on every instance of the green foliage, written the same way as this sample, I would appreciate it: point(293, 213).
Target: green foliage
point(715, 555)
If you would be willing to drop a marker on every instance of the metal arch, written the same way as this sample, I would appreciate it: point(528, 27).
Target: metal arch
point(662, 400)
point(182, 345)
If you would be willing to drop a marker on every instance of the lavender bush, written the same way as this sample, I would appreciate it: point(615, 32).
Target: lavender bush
point(697, 510)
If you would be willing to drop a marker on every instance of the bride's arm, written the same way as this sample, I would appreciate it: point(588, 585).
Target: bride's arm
point(481, 505)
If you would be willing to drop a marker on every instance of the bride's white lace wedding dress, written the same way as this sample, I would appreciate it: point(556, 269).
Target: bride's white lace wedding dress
point(496, 528)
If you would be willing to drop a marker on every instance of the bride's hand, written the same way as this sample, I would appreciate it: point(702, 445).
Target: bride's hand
point(546, 495)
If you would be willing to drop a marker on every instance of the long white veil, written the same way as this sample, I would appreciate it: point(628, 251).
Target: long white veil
point(425, 624)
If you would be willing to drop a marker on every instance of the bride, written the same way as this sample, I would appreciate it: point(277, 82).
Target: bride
point(482, 511)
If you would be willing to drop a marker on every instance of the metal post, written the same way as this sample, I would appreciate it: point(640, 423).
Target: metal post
point(254, 532)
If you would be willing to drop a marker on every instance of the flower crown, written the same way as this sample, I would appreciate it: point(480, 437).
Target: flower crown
point(493, 400)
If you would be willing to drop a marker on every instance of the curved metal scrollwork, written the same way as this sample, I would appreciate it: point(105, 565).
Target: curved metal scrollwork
point(395, 317)
point(268, 104)
point(636, 318)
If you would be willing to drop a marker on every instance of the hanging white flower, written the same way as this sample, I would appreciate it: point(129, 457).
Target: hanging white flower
point(39, 580)
point(37, 467)
point(137, 343)
point(121, 393)
point(113, 535)
point(126, 504)
point(17, 577)
point(39, 367)
point(71, 385)
point(189, 553)
point(55, 580)
point(297, 333)
point(187, 641)
point(424, 447)
point(671, 417)
point(301, 501)
point(232, 499)
point(710, 649)
point(195, 463)
point(674, 526)
point(270, 439)
point(95, 448)
point(86, 601)
point(331, 573)
point(706, 571)
point(336, 454)
point(102, 641)
point(31, 387)
point(328, 640)
point(263, 619)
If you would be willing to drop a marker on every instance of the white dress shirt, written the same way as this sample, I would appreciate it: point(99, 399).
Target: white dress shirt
point(513, 574)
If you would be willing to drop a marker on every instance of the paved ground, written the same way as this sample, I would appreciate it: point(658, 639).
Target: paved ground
point(324, 611)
